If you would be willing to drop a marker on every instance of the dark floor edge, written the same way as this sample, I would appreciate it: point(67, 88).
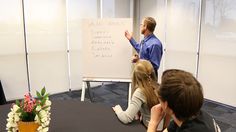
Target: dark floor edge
point(14, 100)
point(220, 104)
point(206, 100)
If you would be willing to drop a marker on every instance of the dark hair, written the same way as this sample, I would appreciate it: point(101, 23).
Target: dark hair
point(182, 92)
point(150, 23)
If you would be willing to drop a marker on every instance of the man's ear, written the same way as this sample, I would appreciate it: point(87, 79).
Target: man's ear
point(168, 109)
point(145, 27)
point(165, 105)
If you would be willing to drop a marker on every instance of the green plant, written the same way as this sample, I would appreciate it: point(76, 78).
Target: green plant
point(31, 109)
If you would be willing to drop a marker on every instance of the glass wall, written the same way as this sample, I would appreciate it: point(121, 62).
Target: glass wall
point(179, 30)
point(76, 11)
point(182, 34)
point(13, 73)
point(46, 42)
point(217, 54)
point(54, 41)
point(115, 8)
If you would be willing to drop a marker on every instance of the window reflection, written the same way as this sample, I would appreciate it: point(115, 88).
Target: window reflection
point(219, 26)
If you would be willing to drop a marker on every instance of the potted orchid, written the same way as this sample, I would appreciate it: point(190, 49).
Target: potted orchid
point(31, 112)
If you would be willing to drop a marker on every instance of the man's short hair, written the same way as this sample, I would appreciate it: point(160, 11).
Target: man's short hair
point(150, 23)
point(182, 92)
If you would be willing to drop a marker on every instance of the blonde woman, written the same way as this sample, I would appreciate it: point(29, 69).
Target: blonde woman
point(143, 94)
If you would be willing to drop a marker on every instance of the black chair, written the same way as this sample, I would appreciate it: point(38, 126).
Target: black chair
point(2, 95)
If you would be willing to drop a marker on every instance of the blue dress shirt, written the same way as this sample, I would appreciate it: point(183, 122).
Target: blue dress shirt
point(149, 49)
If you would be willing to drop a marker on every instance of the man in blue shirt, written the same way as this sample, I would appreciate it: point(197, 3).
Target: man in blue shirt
point(150, 48)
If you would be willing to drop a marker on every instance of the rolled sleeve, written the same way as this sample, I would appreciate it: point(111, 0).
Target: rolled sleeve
point(128, 115)
point(135, 44)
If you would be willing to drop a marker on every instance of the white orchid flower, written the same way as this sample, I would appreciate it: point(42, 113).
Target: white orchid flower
point(38, 108)
point(10, 115)
point(48, 103)
point(15, 108)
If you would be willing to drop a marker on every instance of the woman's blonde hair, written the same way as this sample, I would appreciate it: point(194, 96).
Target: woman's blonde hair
point(144, 78)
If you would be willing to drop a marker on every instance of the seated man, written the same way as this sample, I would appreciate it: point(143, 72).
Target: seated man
point(181, 97)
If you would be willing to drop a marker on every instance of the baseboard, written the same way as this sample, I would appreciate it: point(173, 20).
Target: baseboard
point(221, 104)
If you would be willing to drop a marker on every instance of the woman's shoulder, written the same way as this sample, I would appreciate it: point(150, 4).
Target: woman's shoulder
point(139, 93)
point(138, 89)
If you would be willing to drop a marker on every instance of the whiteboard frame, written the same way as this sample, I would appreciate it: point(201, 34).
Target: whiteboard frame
point(88, 59)
point(87, 80)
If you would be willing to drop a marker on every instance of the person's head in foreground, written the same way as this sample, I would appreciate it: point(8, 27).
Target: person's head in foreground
point(181, 97)
point(180, 94)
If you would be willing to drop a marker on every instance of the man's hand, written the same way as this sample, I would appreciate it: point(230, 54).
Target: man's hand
point(128, 35)
point(156, 116)
point(135, 58)
point(156, 113)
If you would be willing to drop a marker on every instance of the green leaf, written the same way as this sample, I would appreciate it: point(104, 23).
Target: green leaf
point(19, 110)
point(46, 96)
point(22, 103)
point(45, 107)
point(26, 116)
point(43, 91)
point(38, 95)
point(18, 102)
point(43, 101)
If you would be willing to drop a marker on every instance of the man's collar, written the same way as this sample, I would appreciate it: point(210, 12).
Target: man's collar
point(148, 37)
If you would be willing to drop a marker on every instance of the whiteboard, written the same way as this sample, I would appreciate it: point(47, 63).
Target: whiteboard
point(106, 53)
